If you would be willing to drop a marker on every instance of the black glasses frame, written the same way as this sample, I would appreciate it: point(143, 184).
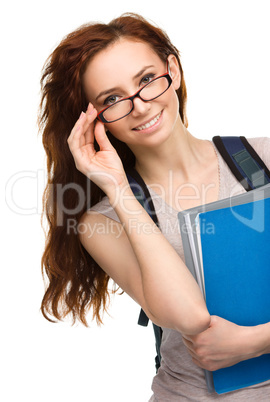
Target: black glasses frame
point(136, 95)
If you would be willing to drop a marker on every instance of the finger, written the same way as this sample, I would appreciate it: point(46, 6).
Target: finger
point(76, 133)
point(189, 338)
point(77, 137)
point(198, 363)
point(188, 344)
point(102, 138)
point(90, 108)
point(89, 133)
point(83, 118)
point(91, 114)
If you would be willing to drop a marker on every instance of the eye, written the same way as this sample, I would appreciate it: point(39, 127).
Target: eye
point(147, 78)
point(111, 100)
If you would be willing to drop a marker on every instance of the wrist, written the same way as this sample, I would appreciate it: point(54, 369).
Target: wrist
point(258, 340)
point(119, 193)
point(263, 338)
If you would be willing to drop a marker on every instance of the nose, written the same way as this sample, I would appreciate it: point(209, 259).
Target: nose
point(140, 107)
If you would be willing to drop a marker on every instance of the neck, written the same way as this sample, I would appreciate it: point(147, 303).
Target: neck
point(181, 153)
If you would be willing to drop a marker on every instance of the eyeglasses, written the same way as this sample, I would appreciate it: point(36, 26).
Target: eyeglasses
point(147, 93)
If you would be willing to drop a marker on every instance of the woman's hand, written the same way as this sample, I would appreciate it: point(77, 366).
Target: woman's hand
point(104, 167)
point(224, 344)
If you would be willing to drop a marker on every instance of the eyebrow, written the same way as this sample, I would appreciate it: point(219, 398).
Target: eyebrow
point(108, 91)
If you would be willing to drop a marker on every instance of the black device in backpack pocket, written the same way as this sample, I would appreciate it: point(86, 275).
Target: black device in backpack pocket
point(247, 167)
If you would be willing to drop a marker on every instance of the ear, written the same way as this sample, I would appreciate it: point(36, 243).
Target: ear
point(174, 71)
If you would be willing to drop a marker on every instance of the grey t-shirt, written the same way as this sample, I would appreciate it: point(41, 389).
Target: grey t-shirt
point(178, 378)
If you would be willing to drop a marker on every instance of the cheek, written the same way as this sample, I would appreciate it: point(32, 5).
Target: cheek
point(169, 99)
point(176, 104)
point(117, 130)
point(172, 104)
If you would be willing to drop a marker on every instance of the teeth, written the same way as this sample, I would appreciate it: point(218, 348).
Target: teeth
point(147, 125)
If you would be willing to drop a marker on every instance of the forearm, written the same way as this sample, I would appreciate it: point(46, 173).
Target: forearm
point(260, 339)
point(253, 341)
point(170, 291)
point(248, 342)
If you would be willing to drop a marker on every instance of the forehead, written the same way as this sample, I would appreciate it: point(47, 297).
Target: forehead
point(117, 64)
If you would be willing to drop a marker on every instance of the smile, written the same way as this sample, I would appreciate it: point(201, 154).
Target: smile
point(149, 124)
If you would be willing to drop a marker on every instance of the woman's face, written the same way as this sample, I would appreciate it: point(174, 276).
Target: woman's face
point(119, 72)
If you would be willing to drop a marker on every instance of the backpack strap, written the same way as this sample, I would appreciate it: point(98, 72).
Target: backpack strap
point(243, 160)
point(142, 194)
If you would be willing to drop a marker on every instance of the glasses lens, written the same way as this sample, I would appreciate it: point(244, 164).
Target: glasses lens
point(151, 91)
point(117, 111)
point(155, 88)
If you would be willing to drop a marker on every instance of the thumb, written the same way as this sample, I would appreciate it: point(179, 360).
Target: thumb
point(102, 138)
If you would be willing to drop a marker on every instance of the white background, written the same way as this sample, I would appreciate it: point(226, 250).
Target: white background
point(224, 47)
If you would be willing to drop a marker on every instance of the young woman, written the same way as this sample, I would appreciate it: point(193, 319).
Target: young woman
point(114, 97)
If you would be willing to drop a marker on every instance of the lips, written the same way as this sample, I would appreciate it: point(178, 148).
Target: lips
point(149, 123)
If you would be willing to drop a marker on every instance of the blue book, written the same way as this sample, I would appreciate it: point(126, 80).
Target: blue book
point(236, 272)
point(226, 248)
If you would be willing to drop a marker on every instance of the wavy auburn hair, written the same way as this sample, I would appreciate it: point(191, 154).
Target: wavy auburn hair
point(76, 283)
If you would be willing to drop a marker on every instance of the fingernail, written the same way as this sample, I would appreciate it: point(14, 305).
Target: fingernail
point(90, 108)
point(81, 115)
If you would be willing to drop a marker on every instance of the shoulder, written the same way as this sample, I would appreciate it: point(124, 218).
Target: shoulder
point(262, 147)
point(99, 219)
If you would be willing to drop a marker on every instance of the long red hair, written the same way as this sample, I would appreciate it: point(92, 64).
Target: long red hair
point(76, 283)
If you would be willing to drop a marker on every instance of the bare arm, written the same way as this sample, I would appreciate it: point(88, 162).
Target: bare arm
point(157, 278)
point(171, 294)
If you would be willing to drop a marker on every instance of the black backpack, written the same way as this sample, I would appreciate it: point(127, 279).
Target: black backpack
point(245, 164)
